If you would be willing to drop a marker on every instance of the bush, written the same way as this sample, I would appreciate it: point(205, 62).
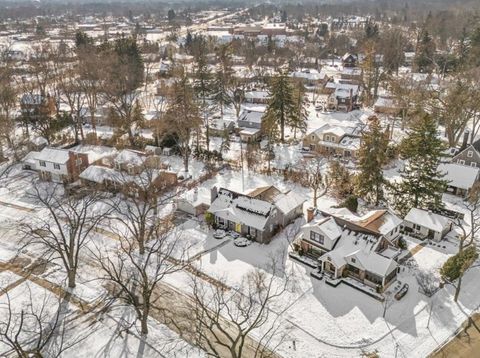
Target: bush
point(210, 219)
point(402, 243)
point(351, 203)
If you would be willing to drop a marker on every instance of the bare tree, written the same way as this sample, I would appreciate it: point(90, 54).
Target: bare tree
point(314, 178)
point(135, 278)
point(67, 226)
point(39, 327)
point(226, 318)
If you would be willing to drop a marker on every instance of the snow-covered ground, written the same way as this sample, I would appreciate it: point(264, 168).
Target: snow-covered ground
point(318, 319)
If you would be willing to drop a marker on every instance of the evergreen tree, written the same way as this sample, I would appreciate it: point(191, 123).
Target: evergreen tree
point(281, 109)
point(203, 88)
point(371, 157)
point(422, 184)
point(220, 94)
point(340, 180)
point(225, 146)
point(424, 53)
point(299, 121)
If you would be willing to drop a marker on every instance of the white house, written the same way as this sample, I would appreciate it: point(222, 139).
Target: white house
point(427, 224)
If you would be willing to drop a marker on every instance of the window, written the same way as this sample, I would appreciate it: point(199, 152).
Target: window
point(221, 222)
point(314, 236)
point(473, 164)
point(327, 138)
point(469, 154)
point(56, 166)
point(43, 164)
point(79, 161)
point(313, 137)
point(461, 162)
point(353, 260)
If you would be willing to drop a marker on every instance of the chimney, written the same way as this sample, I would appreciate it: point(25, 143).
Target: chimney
point(213, 194)
point(466, 134)
point(310, 214)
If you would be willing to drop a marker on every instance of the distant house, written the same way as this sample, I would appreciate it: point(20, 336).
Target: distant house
point(249, 215)
point(36, 105)
point(386, 105)
point(352, 74)
point(59, 165)
point(310, 77)
point(250, 124)
point(343, 96)
point(131, 172)
point(460, 178)
point(257, 97)
point(427, 224)
point(470, 155)
point(345, 245)
point(334, 140)
point(349, 60)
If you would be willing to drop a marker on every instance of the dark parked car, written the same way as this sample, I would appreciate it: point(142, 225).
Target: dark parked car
point(402, 292)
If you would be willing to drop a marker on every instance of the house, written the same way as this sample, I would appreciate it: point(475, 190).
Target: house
point(257, 97)
point(342, 96)
point(345, 245)
point(352, 74)
point(310, 78)
point(386, 105)
point(334, 140)
point(60, 165)
point(194, 202)
point(426, 224)
point(469, 155)
point(460, 178)
point(131, 172)
point(219, 125)
point(35, 105)
point(349, 60)
point(250, 124)
point(249, 215)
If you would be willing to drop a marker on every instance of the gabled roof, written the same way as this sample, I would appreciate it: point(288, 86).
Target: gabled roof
point(53, 155)
point(459, 175)
point(428, 219)
point(288, 202)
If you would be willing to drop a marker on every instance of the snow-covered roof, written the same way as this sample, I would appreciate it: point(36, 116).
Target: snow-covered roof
point(241, 209)
point(428, 219)
point(127, 156)
point(53, 155)
point(458, 175)
point(97, 174)
point(94, 152)
point(251, 116)
point(288, 202)
point(362, 249)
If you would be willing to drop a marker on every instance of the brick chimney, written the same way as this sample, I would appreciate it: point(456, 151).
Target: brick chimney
point(213, 194)
point(310, 214)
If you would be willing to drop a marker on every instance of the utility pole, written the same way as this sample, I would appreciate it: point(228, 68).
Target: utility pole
point(241, 163)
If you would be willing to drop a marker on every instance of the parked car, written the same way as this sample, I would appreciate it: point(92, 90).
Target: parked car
point(241, 242)
point(219, 234)
point(402, 292)
point(233, 234)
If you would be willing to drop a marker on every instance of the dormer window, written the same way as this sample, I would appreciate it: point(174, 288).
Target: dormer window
point(43, 164)
point(353, 260)
point(473, 164)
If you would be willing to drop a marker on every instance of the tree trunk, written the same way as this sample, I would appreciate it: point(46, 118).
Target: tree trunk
point(144, 323)
point(315, 197)
point(185, 161)
point(71, 278)
point(457, 289)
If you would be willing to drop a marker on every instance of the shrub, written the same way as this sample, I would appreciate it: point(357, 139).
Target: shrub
point(351, 203)
point(210, 219)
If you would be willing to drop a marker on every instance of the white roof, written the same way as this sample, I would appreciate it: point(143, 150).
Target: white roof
point(53, 155)
point(458, 175)
point(288, 202)
point(251, 116)
point(129, 157)
point(432, 221)
point(361, 247)
point(94, 152)
point(243, 209)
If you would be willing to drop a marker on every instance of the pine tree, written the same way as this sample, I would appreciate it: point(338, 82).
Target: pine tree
point(422, 184)
point(220, 92)
point(225, 146)
point(203, 88)
point(340, 179)
point(299, 121)
point(281, 108)
point(371, 158)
